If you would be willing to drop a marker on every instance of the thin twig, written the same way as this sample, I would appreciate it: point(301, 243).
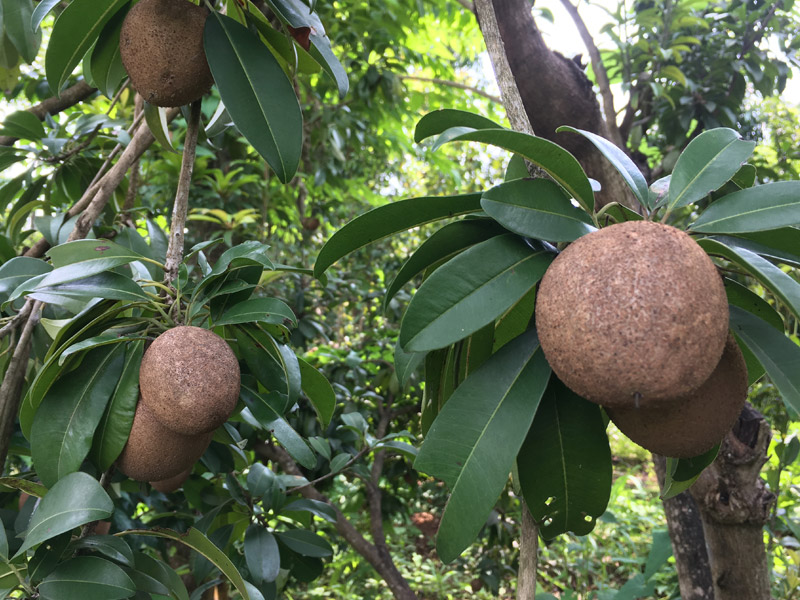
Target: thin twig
point(181, 206)
point(455, 84)
point(21, 316)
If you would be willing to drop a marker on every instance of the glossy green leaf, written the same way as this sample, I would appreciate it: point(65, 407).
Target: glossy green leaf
point(17, 24)
point(85, 577)
point(257, 94)
point(323, 510)
point(40, 12)
point(475, 438)
point(261, 481)
point(615, 212)
point(761, 208)
point(3, 544)
point(23, 125)
point(305, 542)
point(319, 392)
point(73, 501)
point(470, 291)
point(406, 364)
point(262, 554)
point(389, 219)
point(64, 425)
point(115, 426)
point(786, 288)
point(438, 121)
point(565, 464)
point(741, 296)
point(156, 119)
point(200, 543)
point(710, 159)
point(782, 245)
point(621, 162)
point(559, 164)
point(446, 242)
point(31, 488)
point(17, 271)
point(74, 32)
point(537, 208)
point(681, 473)
point(112, 286)
point(105, 61)
point(258, 310)
point(110, 546)
point(779, 355)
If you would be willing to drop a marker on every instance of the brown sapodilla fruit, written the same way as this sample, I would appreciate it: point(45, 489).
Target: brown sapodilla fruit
point(694, 424)
point(155, 453)
point(165, 486)
point(189, 379)
point(634, 313)
point(161, 46)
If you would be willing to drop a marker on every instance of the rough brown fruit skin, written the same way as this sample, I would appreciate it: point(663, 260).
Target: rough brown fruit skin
point(634, 312)
point(155, 453)
point(694, 424)
point(189, 379)
point(161, 46)
point(165, 486)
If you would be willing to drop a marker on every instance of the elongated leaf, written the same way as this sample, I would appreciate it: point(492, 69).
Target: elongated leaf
point(470, 291)
point(773, 278)
point(85, 577)
point(305, 543)
point(110, 546)
point(25, 485)
point(406, 364)
point(40, 12)
point(105, 61)
point(88, 251)
point(559, 164)
point(115, 426)
point(621, 162)
point(156, 119)
point(565, 464)
point(112, 286)
point(75, 500)
point(781, 244)
point(199, 543)
point(779, 355)
point(262, 554)
point(769, 206)
point(740, 296)
point(23, 125)
point(475, 438)
point(389, 219)
point(261, 310)
point(17, 271)
point(17, 23)
point(711, 159)
point(319, 391)
point(75, 31)
point(447, 241)
point(439, 121)
point(537, 208)
point(62, 430)
point(257, 94)
point(323, 510)
point(681, 473)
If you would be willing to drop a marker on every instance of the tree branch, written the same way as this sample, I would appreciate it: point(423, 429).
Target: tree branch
point(599, 72)
point(455, 84)
point(470, 6)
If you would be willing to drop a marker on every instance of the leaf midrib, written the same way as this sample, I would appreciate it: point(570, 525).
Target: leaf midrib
point(789, 202)
point(690, 183)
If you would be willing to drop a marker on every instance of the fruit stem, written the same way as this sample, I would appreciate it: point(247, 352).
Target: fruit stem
point(181, 206)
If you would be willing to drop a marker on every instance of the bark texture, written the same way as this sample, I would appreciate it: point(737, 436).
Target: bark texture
point(735, 505)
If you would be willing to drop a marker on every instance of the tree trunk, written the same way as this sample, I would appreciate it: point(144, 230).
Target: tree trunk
point(688, 541)
point(735, 505)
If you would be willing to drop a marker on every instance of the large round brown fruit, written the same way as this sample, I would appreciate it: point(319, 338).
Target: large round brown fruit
point(161, 46)
point(692, 425)
point(634, 313)
point(189, 379)
point(165, 486)
point(155, 453)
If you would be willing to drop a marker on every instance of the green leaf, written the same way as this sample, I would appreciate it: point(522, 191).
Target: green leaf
point(156, 119)
point(446, 242)
point(105, 62)
point(75, 500)
point(565, 464)
point(85, 577)
point(681, 473)
point(115, 426)
point(199, 543)
point(475, 438)
point(257, 94)
point(17, 271)
point(773, 278)
point(621, 162)
point(40, 12)
point(272, 420)
point(438, 121)
point(319, 391)
point(262, 554)
point(617, 213)
point(258, 310)
point(112, 286)
point(406, 364)
point(761, 208)
point(674, 73)
point(779, 355)
point(64, 425)
point(536, 208)
point(109, 546)
point(23, 125)
point(323, 510)
point(741, 296)
point(305, 542)
point(389, 219)
point(16, 15)
point(781, 244)
point(470, 291)
point(74, 32)
point(559, 164)
point(709, 160)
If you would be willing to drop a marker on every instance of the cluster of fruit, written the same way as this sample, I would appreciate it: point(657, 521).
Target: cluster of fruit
point(188, 386)
point(634, 317)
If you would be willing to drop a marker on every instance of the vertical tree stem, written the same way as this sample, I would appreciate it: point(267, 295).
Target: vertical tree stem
point(181, 206)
